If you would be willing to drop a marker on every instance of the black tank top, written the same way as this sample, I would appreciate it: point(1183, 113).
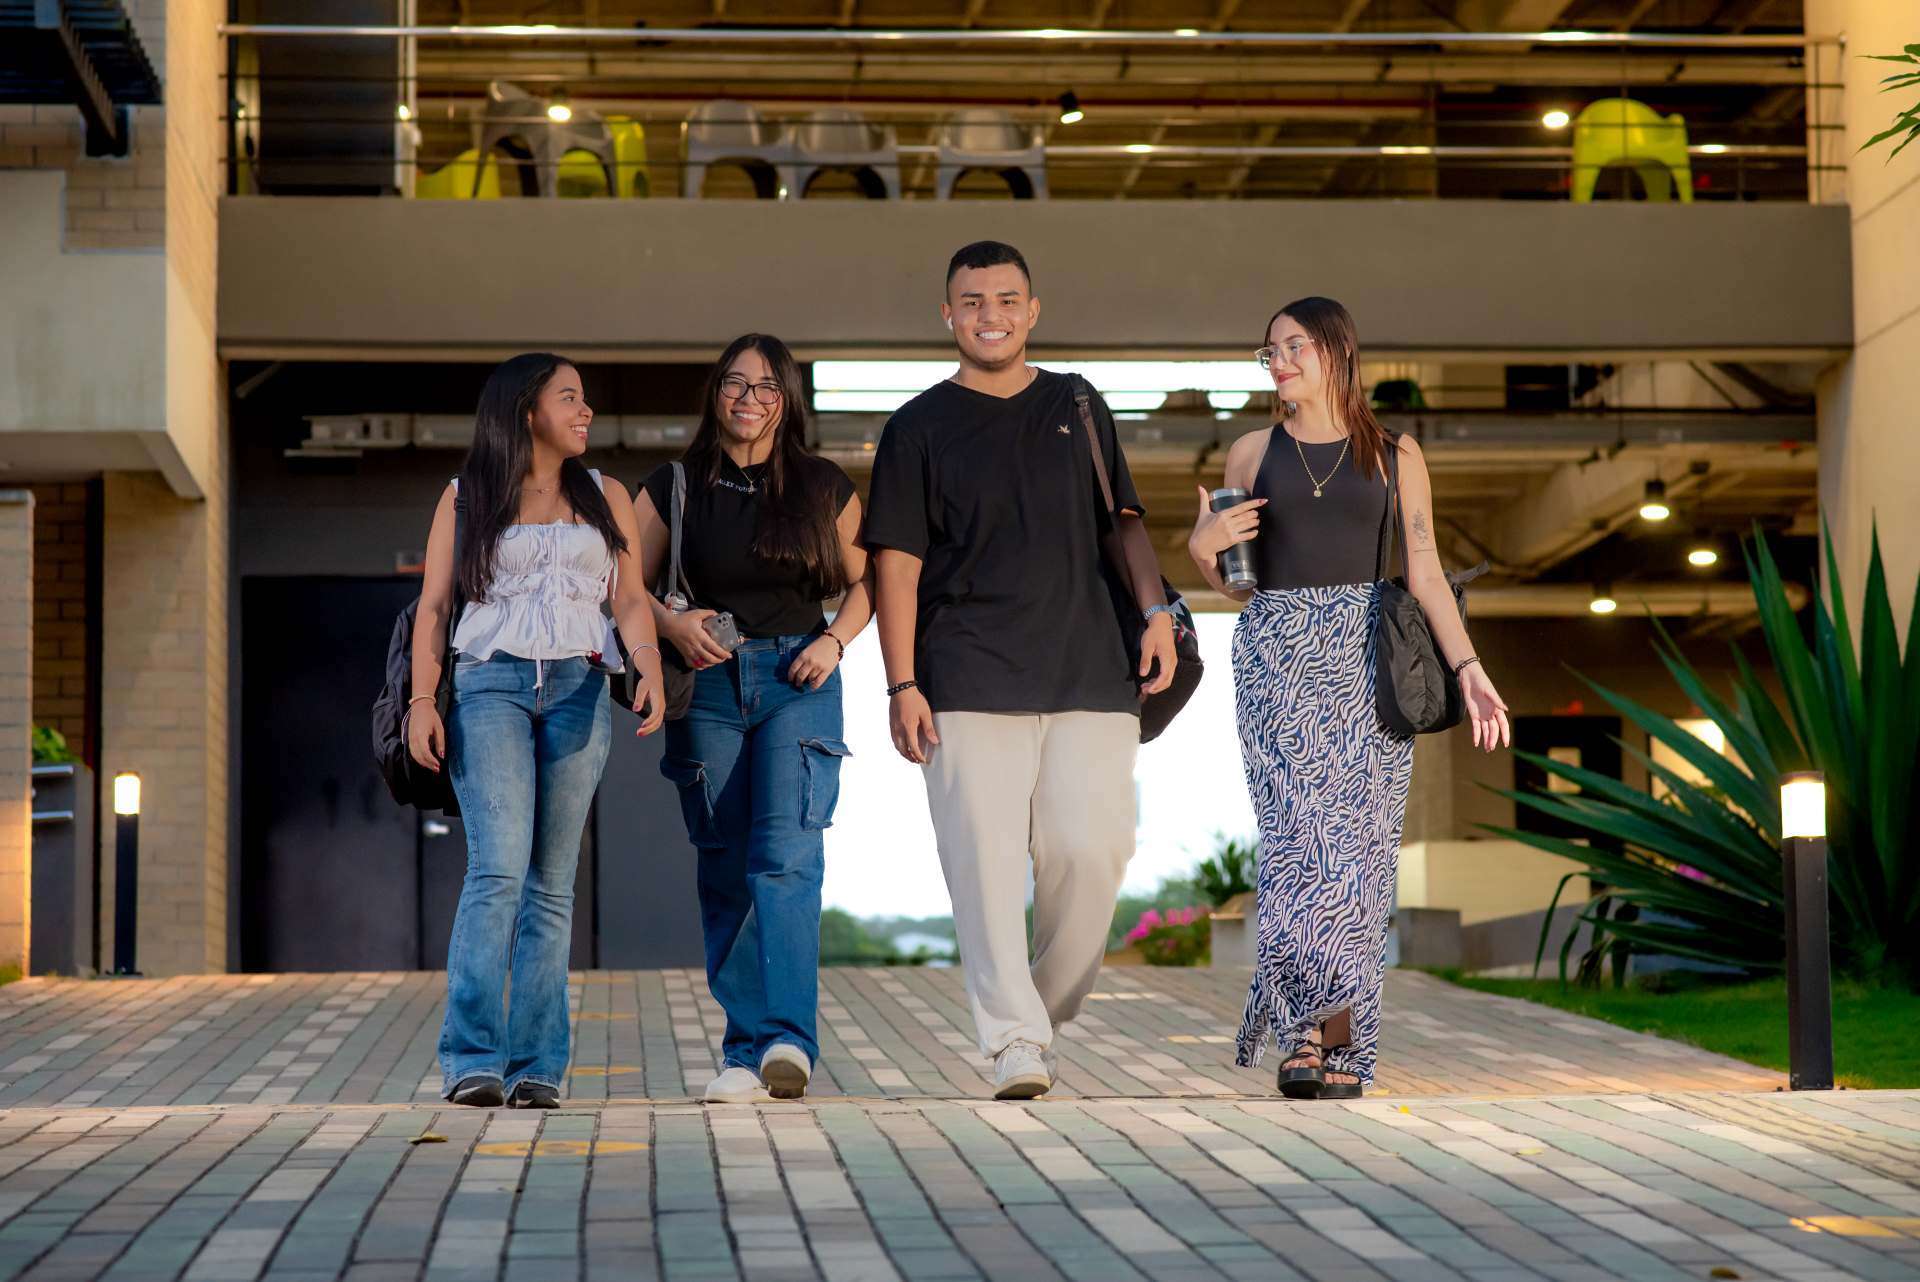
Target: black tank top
point(1308, 542)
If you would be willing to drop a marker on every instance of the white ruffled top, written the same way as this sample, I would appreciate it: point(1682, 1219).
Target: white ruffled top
point(548, 584)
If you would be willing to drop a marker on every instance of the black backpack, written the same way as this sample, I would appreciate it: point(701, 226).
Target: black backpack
point(411, 783)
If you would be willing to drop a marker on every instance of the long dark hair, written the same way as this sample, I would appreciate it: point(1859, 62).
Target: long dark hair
point(797, 526)
point(498, 461)
point(1336, 338)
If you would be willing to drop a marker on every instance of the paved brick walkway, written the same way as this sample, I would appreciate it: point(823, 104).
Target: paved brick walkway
point(236, 1127)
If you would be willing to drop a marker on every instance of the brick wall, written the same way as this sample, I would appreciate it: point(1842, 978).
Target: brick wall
point(60, 525)
point(163, 713)
point(16, 706)
point(112, 202)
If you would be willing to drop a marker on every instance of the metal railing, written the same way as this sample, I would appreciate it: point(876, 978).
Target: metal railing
point(401, 110)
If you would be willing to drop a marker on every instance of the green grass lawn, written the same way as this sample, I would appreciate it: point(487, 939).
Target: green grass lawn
point(1876, 1031)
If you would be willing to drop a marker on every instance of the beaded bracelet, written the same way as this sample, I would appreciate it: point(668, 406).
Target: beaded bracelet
point(836, 643)
point(1465, 663)
point(904, 685)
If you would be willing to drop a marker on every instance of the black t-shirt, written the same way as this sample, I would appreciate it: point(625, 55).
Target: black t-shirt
point(766, 599)
point(998, 499)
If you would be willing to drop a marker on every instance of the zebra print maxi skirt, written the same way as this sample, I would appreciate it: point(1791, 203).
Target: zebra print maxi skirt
point(1329, 785)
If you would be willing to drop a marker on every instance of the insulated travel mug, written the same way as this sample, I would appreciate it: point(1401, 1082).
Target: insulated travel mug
point(1236, 563)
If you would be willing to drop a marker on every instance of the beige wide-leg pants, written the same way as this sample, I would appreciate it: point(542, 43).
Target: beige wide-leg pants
point(1053, 793)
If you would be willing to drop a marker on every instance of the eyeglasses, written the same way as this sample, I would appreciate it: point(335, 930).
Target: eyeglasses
point(1291, 349)
point(733, 387)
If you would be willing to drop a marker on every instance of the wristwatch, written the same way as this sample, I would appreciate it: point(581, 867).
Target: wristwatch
point(1146, 615)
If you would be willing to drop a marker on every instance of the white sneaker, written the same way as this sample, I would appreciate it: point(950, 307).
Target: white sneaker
point(785, 1070)
point(1020, 1072)
point(736, 1085)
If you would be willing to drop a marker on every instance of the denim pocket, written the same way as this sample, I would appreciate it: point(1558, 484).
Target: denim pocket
point(820, 786)
point(696, 800)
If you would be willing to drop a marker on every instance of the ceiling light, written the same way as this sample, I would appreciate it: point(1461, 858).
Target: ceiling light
point(1556, 119)
point(1186, 31)
point(1713, 149)
point(1070, 113)
point(1703, 557)
point(559, 110)
point(404, 112)
point(1653, 505)
point(1140, 149)
point(1603, 602)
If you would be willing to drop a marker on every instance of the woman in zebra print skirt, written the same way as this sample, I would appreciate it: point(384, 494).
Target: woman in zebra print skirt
point(1329, 780)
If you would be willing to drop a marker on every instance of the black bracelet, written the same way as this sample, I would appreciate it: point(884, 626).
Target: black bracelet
point(904, 685)
point(1465, 663)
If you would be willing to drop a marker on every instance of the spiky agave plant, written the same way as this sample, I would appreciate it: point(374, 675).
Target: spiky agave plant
point(1697, 873)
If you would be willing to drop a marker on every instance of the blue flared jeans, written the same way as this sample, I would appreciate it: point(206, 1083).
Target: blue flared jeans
point(526, 743)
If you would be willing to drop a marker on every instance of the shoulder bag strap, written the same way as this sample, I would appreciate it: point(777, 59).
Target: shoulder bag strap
point(459, 541)
point(1083, 401)
point(1390, 524)
point(677, 578)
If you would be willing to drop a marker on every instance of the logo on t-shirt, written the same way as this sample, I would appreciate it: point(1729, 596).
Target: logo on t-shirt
point(1064, 430)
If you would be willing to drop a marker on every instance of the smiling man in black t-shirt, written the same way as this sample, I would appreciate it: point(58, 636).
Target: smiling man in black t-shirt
point(1009, 677)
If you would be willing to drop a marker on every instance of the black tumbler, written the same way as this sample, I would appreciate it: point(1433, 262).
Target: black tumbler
point(1236, 563)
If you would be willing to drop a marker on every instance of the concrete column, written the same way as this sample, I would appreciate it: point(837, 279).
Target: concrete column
point(1867, 426)
point(16, 722)
point(164, 714)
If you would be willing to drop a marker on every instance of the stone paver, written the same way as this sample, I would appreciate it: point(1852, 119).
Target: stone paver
point(287, 1127)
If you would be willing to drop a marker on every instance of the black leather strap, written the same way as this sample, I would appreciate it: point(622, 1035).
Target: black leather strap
point(1390, 523)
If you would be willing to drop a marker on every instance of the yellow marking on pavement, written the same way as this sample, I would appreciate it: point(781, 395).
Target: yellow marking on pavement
point(596, 1070)
point(1860, 1225)
point(556, 1148)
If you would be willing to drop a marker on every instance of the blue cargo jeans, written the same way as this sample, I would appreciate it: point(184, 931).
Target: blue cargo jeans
point(526, 742)
point(757, 763)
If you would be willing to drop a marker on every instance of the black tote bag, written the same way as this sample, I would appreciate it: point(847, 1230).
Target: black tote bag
point(1414, 688)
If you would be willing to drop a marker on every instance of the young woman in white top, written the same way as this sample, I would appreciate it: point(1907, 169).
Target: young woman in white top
point(545, 542)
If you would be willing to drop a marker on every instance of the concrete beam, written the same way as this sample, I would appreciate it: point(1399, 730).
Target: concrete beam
point(397, 279)
point(1509, 15)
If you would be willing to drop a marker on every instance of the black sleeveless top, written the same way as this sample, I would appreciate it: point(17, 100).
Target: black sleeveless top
point(1308, 542)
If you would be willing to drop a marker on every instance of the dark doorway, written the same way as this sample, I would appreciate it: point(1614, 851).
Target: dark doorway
point(335, 876)
point(1589, 743)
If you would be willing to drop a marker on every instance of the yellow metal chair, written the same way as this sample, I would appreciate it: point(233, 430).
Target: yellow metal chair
point(580, 175)
point(1621, 131)
point(456, 180)
point(633, 180)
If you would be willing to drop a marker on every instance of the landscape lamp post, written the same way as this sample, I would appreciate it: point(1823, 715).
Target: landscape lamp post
point(126, 870)
point(1803, 848)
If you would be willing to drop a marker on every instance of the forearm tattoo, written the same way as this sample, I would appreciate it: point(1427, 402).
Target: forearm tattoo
point(1422, 533)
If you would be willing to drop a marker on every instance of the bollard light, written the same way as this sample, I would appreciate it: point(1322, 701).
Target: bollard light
point(1803, 804)
point(1803, 852)
point(126, 870)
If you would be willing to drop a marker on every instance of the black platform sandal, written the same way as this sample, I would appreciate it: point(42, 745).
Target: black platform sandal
point(1336, 1031)
point(1306, 1078)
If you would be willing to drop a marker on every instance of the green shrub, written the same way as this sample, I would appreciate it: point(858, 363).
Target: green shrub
point(1698, 873)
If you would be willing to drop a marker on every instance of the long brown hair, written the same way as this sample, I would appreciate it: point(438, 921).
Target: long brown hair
point(1335, 337)
point(798, 524)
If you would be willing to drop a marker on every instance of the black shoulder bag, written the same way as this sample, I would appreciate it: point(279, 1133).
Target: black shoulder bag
point(1156, 711)
point(1414, 689)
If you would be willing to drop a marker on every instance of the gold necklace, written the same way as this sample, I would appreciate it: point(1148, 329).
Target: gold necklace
point(1320, 482)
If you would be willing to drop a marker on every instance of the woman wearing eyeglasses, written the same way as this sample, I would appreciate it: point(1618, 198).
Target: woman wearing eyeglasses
point(1328, 779)
point(770, 532)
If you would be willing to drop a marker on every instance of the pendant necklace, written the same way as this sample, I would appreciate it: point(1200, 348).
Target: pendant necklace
point(751, 487)
point(1319, 483)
